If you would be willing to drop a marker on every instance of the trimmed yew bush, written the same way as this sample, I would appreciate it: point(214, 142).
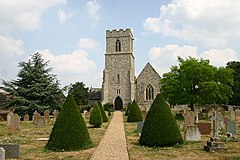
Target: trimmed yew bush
point(160, 127)
point(96, 116)
point(135, 114)
point(104, 116)
point(69, 132)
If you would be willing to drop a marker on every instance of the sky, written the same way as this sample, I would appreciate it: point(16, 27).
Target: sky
point(71, 34)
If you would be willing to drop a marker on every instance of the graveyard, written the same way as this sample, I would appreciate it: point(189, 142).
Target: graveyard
point(31, 136)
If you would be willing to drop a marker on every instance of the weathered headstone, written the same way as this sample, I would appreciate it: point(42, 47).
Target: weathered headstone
point(36, 115)
point(46, 116)
point(2, 153)
point(9, 117)
point(192, 133)
point(232, 115)
point(231, 127)
point(41, 122)
point(55, 115)
point(15, 122)
point(26, 117)
point(11, 150)
point(139, 126)
point(189, 119)
point(204, 128)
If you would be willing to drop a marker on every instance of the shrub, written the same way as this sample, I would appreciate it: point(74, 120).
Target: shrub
point(108, 107)
point(160, 127)
point(96, 116)
point(135, 114)
point(69, 132)
point(128, 108)
point(104, 116)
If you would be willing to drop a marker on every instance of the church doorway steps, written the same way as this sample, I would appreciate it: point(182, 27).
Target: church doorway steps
point(118, 103)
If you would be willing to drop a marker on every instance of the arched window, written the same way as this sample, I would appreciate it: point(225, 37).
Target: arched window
point(118, 46)
point(118, 79)
point(149, 93)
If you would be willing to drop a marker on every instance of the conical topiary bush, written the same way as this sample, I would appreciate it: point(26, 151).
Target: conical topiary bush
point(135, 114)
point(104, 116)
point(96, 116)
point(160, 127)
point(69, 132)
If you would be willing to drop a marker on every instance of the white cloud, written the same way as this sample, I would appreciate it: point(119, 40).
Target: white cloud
point(93, 8)
point(165, 57)
point(73, 67)
point(24, 14)
point(212, 23)
point(10, 47)
point(86, 43)
point(63, 16)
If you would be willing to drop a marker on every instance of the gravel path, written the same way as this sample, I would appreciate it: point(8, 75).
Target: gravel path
point(113, 145)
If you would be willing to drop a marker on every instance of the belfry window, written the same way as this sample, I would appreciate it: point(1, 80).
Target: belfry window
point(118, 79)
point(149, 93)
point(118, 46)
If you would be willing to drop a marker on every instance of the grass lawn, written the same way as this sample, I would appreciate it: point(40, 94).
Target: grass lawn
point(31, 149)
point(187, 151)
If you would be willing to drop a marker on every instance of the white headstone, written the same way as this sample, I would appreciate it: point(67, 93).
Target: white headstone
point(192, 133)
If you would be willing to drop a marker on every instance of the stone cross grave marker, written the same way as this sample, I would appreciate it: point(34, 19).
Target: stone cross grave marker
point(26, 117)
point(189, 119)
point(15, 122)
point(41, 122)
point(46, 116)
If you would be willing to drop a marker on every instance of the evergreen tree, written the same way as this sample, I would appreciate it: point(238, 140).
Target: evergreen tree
point(135, 114)
point(160, 127)
point(69, 132)
point(96, 116)
point(35, 89)
point(104, 116)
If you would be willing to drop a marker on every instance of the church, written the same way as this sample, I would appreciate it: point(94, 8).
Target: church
point(120, 85)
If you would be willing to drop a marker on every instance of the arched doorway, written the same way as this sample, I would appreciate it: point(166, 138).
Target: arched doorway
point(118, 103)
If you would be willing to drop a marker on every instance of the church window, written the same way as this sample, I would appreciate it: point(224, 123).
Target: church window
point(118, 91)
point(118, 46)
point(149, 93)
point(118, 79)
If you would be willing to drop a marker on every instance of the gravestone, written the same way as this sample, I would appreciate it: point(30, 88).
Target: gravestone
point(15, 122)
point(36, 115)
point(231, 127)
point(204, 127)
point(11, 150)
point(41, 122)
point(2, 153)
point(192, 133)
point(232, 115)
point(139, 126)
point(26, 117)
point(9, 117)
point(189, 119)
point(55, 115)
point(46, 116)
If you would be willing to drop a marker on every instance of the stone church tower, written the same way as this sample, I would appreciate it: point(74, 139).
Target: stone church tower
point(120, 85)
point(119, 82)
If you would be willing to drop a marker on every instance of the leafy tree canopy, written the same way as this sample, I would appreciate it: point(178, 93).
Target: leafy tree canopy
point(195, 81)
point(235, 100)
point(80, 92)
point(35, 88)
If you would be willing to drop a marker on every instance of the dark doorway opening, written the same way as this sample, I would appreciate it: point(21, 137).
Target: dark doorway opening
point(118, 103)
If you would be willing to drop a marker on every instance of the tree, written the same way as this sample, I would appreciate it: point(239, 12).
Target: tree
point(196, 82)
point(160, 128)
point(104, 116)
point(35, 88)
point(235, 65)
point(69, 132)
point(134, 114)
point(80, 93)
point(95, 116)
